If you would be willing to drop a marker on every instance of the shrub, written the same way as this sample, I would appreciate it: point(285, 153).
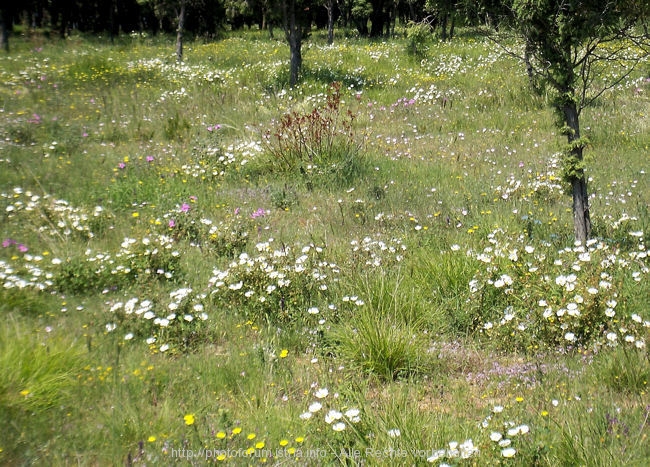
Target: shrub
point(317, 145)
point(417, 35)
point(529, 297)
point(276, 286)
point(137, 261)
point(175, 325)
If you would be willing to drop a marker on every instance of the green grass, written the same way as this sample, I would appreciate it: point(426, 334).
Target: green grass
point(166, 285)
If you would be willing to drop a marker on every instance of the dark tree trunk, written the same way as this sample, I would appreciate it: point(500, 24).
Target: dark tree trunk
point(179, 32)
point(581, 217)
point(377, 19)
point(65, 19)
point(293, 34)
point(5, 26)
point(443, 25)
point(111, 20)
point(452, 26)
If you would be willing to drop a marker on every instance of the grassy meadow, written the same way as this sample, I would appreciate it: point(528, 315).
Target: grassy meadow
point(199, 264)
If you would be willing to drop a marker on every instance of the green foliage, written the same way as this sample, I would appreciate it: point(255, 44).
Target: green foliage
point(448, 277)
point(174, 325)
point(284, 198)
point(137, 261)
point(391, 350)
point(417, 35)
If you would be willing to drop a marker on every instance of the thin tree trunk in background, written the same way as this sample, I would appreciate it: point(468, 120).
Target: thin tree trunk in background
point(5, 25)
point(179, 32)
point(330, 21)
point(581, 216)
point(111, 20)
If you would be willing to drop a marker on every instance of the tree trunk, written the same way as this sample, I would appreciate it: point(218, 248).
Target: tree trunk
point(443, 25)
point(377, 18)
point(293, 34)
point(452, 26)
point(111, 21)
point(581, 217)
point(179, 32)
point(330, 21)
point(5, 25)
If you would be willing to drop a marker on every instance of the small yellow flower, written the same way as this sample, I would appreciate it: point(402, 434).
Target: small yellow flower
point(284, 442)
point(135, 214)
point(300, 439)
point(151, 439)
point(189, 419)
point(236, 431)
point(519, 399)
point(544, 413)
point(291, 451)
point(221, 457)
point(221, 435)
point(24, 392)
point(251, 436)
point(284, 353)
point(250, 451)
point(260, 445)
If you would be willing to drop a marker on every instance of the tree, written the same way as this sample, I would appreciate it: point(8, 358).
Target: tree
point(329, 6)
point(296, 22)
point(568, 44)
point(6, 24)
point(179, 30)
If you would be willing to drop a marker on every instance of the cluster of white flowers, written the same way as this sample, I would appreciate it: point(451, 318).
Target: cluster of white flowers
point(337, 419)
point(28, 275)
point(63, 220)
point(377, 253)
point(456, 450)
point(163, 324)
point(565, 295)
point(265, 282)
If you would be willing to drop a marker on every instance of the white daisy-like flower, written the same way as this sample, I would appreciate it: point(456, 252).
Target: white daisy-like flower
point(340, 426)
point(315, 407)
point(332, 416)
point(496, 436)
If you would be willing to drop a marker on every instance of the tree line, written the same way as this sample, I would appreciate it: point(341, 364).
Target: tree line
point(371, 18)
